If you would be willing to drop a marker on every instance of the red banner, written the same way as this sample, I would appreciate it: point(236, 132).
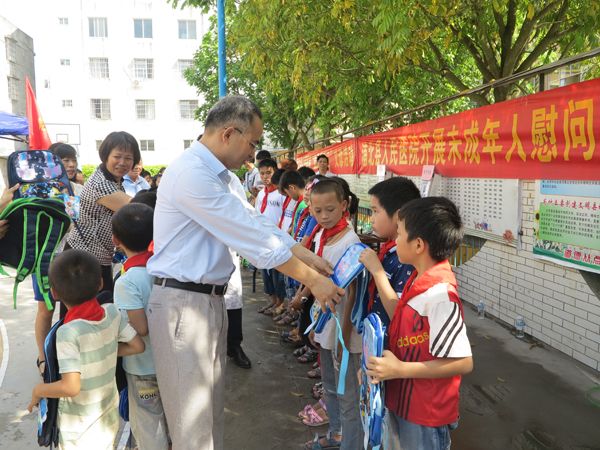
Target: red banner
point(342, 157)
point(550, 135)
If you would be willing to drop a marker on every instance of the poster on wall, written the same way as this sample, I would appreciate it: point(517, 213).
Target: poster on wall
point(568, 223)
point(489, 207)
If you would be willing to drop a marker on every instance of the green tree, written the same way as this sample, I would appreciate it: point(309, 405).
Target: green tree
point(495, 38)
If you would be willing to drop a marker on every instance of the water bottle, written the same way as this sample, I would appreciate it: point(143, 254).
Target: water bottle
point(481, 310)
point(519, 327)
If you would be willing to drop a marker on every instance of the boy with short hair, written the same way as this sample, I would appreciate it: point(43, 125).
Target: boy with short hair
point(269, 202)
point(87, 345)
point(428, 345)
point(132, 232)
point(293, 184)
point(386, 198)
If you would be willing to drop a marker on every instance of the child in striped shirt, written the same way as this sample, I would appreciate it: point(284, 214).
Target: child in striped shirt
point(87, 345)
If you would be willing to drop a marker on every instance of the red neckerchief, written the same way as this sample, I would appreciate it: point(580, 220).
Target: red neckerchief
point(268, 189)
point(286, 202)
point(88, 310)
point(440, 273)
point(383, 250)
point(330, 232)
point(138, 260)
point(300, 199)
point(151, 247)
point(303, 216)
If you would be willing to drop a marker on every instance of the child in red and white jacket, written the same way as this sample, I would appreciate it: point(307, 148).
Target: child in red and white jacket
point(428, 348)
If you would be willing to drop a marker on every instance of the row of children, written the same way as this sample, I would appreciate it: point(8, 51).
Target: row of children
point(412, 289)
point(93, 335)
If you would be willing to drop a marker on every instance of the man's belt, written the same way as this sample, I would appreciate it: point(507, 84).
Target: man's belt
point(212, 289)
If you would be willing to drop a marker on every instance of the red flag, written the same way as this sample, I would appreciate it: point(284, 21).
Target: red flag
point(38, 135)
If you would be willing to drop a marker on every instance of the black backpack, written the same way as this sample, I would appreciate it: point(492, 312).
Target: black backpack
point(40, 173)
point(35, 227)
point(48, 431)
point(37, 217)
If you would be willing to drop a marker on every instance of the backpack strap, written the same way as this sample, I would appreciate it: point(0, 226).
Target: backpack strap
point(56, 231)
point(28, 255)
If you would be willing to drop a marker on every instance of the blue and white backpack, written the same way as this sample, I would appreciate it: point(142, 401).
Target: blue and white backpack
point(372, 408)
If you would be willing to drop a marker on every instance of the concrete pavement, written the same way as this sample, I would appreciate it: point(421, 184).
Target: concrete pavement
point(520, 395)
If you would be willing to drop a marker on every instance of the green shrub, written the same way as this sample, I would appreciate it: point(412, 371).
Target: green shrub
point(88, 169)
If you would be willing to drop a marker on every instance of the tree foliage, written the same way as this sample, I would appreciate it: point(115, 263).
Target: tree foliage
point(316, 67)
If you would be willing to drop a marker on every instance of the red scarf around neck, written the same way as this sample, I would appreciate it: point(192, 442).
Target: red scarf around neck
point(286, 202)
point(301, 219)
point(300, 200)
point(383, 250)
point(329, 232)
point(268, 189)
point(88, 310)
point(139, 260)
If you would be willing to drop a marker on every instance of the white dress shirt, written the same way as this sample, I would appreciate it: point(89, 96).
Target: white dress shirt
point(133, 187)
point(201, 211)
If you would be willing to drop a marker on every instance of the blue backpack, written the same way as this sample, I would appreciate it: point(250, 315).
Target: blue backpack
point(372, 408)
point(347, 269)
point(47, 433)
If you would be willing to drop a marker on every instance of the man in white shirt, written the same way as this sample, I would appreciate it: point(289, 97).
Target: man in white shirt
point(133, 182)
point(201, 212)
point(323, 166)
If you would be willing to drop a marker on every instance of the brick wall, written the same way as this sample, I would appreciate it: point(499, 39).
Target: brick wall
point(556, 302)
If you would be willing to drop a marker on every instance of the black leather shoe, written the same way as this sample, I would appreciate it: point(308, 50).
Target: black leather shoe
point(239, 357)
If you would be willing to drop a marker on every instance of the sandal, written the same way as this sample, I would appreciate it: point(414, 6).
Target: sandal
point(262, 309)
point(315, 418)
point(287, 319)
point(320, 405)
point(318, 391)
point(314, 373)
point(324, 442)
point(300, 351)
point(308, 357)
point(270, 310)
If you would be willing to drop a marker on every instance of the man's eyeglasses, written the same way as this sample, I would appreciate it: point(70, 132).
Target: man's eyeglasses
point(252, 144)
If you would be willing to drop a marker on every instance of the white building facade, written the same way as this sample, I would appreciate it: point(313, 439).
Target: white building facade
point(111, 65)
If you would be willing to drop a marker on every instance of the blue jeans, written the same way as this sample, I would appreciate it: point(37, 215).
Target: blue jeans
point(343, 411)
point(399, 434)
point(274, 283)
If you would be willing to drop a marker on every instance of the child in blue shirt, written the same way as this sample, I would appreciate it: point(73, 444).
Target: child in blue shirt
point(386, 198)
point(132, 232)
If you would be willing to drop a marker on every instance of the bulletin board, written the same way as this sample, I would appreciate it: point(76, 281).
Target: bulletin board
point(568, 223)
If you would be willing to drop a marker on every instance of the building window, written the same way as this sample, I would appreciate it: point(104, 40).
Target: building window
point(144, 109)
point(11, 50)
point(142, 28)
point(98, 27)
point(98, 144)
point(99, 68)
point(147, 145)
point(47, 84)
point(187, 29)
point(183, 64)
point(143, 69)
point(63, 21)
point(13, 88)
point(187, 108)
point(67, 103)
point(100, 108)
point(65, 62)
point(187, 143)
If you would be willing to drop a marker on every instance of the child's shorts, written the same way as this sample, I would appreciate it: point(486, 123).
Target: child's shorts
point(37, 294)
point(274, 283)
point(146, 414)
point(400, 434)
